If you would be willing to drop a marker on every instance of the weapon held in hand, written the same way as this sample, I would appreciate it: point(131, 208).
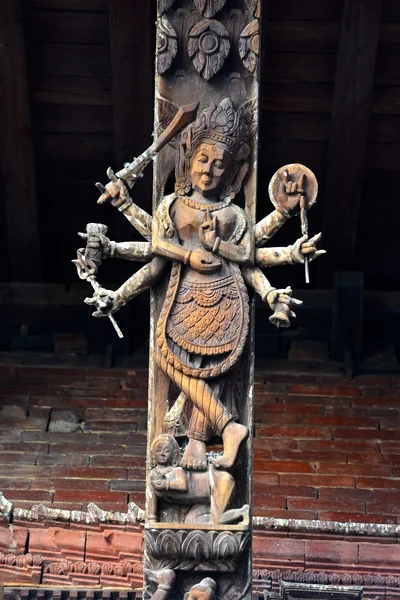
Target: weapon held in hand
point(87, 264)
point(133, 171)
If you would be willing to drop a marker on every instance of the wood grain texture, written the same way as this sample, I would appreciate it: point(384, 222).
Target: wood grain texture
point(349, 133)
point(16, 149)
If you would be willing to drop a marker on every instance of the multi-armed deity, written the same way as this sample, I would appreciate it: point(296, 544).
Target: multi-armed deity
point(204, 255)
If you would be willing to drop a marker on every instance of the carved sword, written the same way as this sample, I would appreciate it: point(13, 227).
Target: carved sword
point(132, 171)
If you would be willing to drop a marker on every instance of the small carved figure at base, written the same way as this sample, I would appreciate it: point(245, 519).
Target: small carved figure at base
point(205, 590)
point(172, 483)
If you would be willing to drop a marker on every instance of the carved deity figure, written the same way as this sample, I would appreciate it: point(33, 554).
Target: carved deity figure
point(172, 483)
point(215, 254)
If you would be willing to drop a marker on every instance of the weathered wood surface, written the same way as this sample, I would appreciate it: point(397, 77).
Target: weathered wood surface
point(16, 158)
point(349, 132)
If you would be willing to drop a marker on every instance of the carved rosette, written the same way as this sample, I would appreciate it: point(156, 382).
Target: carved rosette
point(167, 45)
point(255, 7)
point(209, 8)
point(164, 5)
point(208, 47)
point(249, 46)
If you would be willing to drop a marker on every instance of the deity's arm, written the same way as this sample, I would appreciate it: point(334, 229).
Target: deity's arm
point(140, 281)
point(179, 483)
point(139, 218)
point(137, 251)
point(273, 257)
point(268, 226)
point(256, 279)
point(239, 254)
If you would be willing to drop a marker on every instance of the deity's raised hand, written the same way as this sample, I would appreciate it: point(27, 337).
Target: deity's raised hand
point(208, 231)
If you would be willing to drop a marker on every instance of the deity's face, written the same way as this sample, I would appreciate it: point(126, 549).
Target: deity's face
point(200, 594)
point(163, 453)
point(208, 168)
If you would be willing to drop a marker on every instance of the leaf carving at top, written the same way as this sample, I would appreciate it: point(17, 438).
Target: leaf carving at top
point(209, 8)
point(164, 5)
point(255, 7)
point(208, 47)
point(167, 45)
point(249, 46)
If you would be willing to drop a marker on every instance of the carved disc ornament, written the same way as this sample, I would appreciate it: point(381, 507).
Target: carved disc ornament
point(208, 47)
point(249, 46)
point(167, 45)
point(209, 8)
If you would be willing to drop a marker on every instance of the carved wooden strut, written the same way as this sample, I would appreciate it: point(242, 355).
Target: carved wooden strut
point(204, 254)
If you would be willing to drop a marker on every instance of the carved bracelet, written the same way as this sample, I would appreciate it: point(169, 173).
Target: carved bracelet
point(216, 244)
point(125, 205)
point(187, 257)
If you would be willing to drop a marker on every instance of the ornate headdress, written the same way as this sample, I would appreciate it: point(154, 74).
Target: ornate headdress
point(225, 126)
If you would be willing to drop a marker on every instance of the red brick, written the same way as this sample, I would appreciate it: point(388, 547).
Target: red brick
point(317, 480)
point(71, 495)
point(290, 491)
point(293, 409)
point(336, 421)
point(69, 484)
point(341, 445)
point(13, 539)
point(16, 400)
point(276, 550)
point(390, 422)
point(26, 390)
point(290, 378)
point(316, 400)
point(75, 392)
point(44, 371)
point(23, 471)
point(380, 555)
point(390, 447)
point(345, 517)
point(264, 398)
point(125, 485)
point(345, 494)
point(353, 469)
point(378, 482)
point(372, 459)
point(125, 403)
point(66, 403)
point(294, 432)
point(96, 372)
point(112, 545)
point(8, 370)
point(10, 458)
point(383, 508)
point(381, 391)
point(116, 461)
point(88, 447)
point(318, 505)
point(128, 428)
point(27, 495)
point(319, 390)
point(268, 502)
point(377, 401)
point(371, 380)
point(277, 466)
point(367, 434)
point(264, 445)
point(23, 448)
point(337, 553)
point(386, 496)
point(275, 513)
point(57, 438)
point(62, 459)
point(311, 455)
point(266, 478)
point(89, 472)
point(57, 543)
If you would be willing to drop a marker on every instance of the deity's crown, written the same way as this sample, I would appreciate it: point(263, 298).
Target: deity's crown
point(222, 124)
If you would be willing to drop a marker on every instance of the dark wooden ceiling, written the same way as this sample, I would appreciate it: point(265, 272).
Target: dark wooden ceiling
point(76, 93)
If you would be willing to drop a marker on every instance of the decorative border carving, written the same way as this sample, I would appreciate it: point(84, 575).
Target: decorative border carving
point(325, 578)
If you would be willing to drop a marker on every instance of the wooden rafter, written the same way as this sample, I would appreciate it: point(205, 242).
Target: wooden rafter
point(349, 133)
point(16, 156)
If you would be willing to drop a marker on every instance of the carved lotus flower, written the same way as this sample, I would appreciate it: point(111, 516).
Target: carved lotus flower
point(255, 6)
point(94, 568)
point(107, 569)
point(167, 45)
point(209, 8)
point(249, 46)
point(208, 47)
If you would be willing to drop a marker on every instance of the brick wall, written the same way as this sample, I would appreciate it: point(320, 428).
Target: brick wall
point(325, 448)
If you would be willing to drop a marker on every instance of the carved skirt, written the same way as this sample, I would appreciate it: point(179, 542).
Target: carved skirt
point(203, 326)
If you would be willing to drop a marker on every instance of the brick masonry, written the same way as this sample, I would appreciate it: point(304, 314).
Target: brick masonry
point(325, 448)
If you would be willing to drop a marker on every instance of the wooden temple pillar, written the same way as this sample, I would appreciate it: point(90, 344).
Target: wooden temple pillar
point(204, 254)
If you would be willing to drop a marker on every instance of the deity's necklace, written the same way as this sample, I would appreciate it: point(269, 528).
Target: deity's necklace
point(211, 206)
point(163, 470)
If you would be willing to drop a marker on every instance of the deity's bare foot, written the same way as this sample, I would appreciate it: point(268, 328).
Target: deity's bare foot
point(232, 436)
point(194, 458)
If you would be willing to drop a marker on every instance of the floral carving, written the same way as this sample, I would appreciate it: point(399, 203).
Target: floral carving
point(255, 6)
point(164, 5)
point(208, 47)
point(167, 45)
point(209, 8)
point(249, 46)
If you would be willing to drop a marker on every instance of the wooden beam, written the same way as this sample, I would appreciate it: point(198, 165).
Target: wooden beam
point(349, 134)
point(131, 26)
point(16, 154)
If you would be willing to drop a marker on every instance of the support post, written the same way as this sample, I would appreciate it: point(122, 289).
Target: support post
point(16, 154)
